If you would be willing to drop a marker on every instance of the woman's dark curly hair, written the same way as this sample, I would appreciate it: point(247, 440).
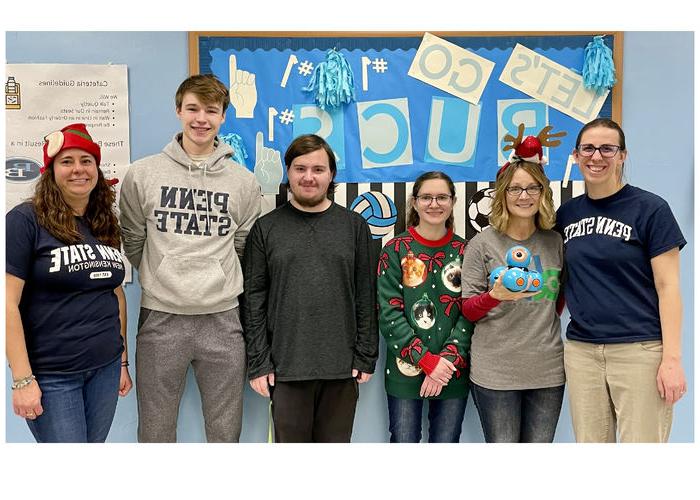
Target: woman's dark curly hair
point(54, 214)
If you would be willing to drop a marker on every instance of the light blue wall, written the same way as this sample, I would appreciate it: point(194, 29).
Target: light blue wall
point(659, 136)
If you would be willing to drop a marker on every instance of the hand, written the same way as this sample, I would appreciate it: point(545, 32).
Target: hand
point(430, 388)
point(268, 166)
point(242, 91)
point(442, 372)
point(262, 384)
point(361, 377)
point(670, 381)
point(26, 402)
point(125, 384)
point(500, 292)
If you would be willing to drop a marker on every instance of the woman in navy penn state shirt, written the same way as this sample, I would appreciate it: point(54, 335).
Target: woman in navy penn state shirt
point(621, 253)
point(66, 311)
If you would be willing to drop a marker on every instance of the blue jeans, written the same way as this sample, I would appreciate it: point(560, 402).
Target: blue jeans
point(78, 407)
point(444, 416)
point(527, 416)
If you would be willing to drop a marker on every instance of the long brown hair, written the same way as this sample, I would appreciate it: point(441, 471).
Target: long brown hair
point(54, 214)
point(500, 217)
point(412, 217)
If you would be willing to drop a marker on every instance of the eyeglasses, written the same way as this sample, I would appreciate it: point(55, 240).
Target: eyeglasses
point(606, 150)
point(516, 191)
point(426, 199)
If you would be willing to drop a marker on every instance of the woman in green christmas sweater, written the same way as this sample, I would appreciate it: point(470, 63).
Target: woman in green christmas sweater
point(427, 338)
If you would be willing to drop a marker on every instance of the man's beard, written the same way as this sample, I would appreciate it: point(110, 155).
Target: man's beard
point(308, 202)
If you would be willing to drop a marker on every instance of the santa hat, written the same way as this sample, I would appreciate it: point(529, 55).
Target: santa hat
point(530, 148)
point(71, 136)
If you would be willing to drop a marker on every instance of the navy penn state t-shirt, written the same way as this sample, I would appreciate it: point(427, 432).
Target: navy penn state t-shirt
point(69, 311)
point(608, 247)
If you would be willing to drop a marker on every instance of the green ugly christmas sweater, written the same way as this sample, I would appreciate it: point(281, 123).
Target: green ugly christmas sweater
point(419, 294)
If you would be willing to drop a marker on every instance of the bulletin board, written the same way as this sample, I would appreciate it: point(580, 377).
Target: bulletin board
point(423, 101)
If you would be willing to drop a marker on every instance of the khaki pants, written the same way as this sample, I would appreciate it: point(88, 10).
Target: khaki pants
point(612, 392)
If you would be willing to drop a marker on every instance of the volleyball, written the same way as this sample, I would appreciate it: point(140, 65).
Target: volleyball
point(378, 210)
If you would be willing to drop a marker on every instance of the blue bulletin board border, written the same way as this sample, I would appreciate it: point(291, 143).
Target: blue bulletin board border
point(260, 50)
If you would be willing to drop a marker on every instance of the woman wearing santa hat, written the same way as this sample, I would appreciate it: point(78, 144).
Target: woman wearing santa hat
point(622, 258)
point(65, 308)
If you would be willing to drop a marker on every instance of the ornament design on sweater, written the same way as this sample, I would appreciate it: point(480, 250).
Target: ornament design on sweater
point(414, 270)
point(452, 276)
point(407, 368)
point(423, 313)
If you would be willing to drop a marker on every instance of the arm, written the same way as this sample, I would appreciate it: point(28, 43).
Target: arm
point(478, 300)
point(366, 348)
point(254, 313)
point(125, 383)
point(249, 210)
point(132, 219)
point(456, 347)
point(670, 379)
point(26, 400)
point(477, 306)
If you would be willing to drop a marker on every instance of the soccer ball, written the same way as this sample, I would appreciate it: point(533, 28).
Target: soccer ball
point(480, 208)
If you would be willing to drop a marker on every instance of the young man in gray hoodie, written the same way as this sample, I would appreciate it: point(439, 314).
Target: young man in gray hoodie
point(185, 215)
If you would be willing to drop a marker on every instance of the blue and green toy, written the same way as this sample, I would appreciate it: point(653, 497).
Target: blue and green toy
point(516, 273)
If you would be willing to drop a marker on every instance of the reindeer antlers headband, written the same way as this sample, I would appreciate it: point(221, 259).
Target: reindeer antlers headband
point(530, 148)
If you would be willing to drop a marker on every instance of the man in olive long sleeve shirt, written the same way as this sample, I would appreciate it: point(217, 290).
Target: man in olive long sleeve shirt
point(310, 315)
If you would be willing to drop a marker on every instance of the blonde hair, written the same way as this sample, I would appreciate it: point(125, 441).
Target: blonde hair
point(545, 216)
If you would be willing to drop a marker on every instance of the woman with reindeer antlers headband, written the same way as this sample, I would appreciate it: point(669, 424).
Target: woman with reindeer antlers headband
point(517, 366)
point(623, 347)
point(66, 310)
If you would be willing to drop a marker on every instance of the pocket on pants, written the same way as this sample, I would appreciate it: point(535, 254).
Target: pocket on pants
point(652, 345)
point(143, 316)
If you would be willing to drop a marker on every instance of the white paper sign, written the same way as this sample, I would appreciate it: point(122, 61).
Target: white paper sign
point(451, 68)
point(551, 83)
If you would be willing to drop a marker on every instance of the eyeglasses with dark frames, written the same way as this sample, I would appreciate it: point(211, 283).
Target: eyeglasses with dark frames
point(516, 191)
point(426, 199)
point(606, 150)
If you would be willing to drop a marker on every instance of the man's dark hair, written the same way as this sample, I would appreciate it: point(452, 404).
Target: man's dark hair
point(309, 143)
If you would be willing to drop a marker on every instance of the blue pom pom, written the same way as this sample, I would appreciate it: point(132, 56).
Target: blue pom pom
point(236, 143)
point(332, 82)
point(598, 66)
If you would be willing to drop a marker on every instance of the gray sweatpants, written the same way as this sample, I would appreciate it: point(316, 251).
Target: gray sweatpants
point(166, 345)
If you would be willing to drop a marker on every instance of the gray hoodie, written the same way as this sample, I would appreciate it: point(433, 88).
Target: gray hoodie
point(181, 224)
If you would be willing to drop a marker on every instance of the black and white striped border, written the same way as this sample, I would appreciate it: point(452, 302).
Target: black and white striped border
point(399, 192)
